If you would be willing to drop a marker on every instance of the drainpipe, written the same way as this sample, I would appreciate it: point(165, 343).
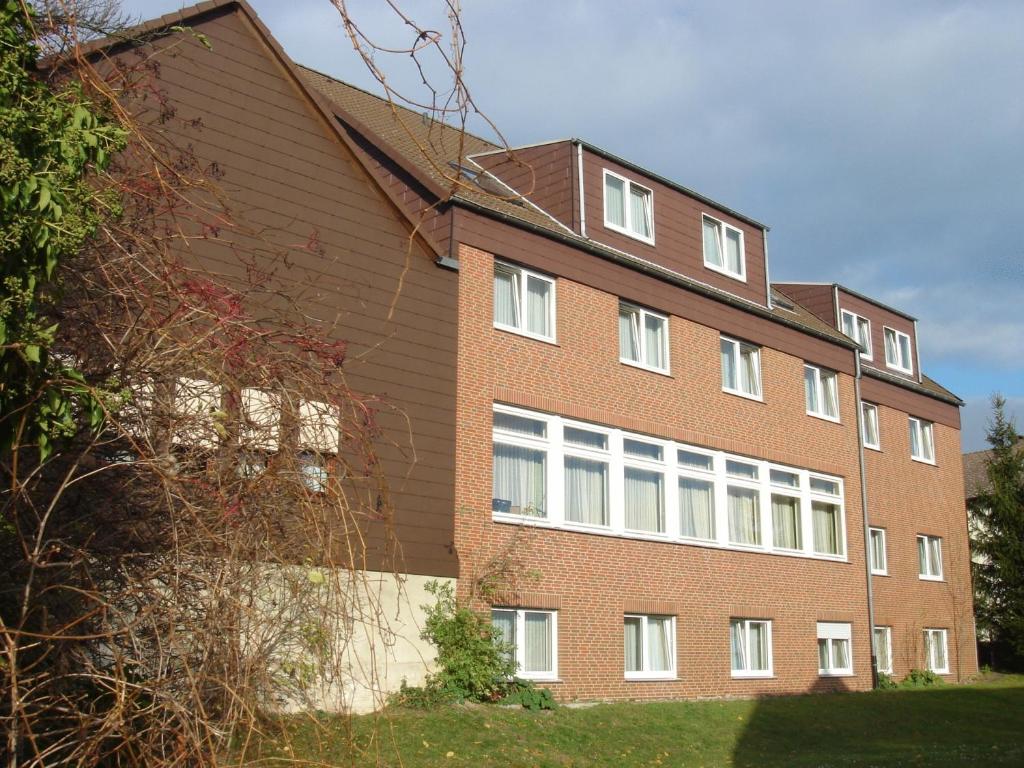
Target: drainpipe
point(579, 173)
point(867, 525)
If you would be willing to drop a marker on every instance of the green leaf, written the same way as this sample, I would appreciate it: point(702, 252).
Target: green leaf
point(32, 353)
point(44, 197)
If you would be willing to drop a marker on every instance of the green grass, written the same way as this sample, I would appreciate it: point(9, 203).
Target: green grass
point(971, 725)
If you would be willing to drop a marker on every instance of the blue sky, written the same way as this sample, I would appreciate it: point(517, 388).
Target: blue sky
point(882, 142)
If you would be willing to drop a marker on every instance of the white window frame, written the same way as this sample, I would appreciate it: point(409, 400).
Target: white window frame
point(827, 488)
point(884, 569)
point(628, 213)
point(936, 633)
point(747, 672)
point(522, 278)
point(865, 408)
point(903, 366)
point(723, 227)
point(925, 431)
point(822, 377)
point(926, 570)
point(518, 655)
point(738, 348)
point(886, 633)
point(642, 315)
point(865, 342)
point(833, 632)
point(648, 674)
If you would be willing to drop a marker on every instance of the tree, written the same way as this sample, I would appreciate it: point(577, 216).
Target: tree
point(999, 541)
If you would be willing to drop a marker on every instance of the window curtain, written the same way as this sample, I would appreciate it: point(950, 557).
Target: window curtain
point(926, 442)
point(915, 439)
point(938, 650)
point(750, 381)
point(786, 522)
point(586, 491)
point(640, 205)
point(634, 643)
point(870, 425)
point(739, 647)
point(759, 646)
point(823, 653)
point(935, 556)
point(654, 332)
point(904, 342)
point(519, 477)
point(712, 244)
point(840, 654)
point(826, 528)
point(733, 255)
point(877, 551)
point(504, 623)
point(537, 642)
point(644, 500)
point(744, 516)
point(614, 201)
point(882, 651)
point(728, 364)
point(629, 334)
point(922, 556)
point(658, 644)
point(830, 395)
point(506, 298)
point(863, 336)
point(538, 306)
point(811, 389)
point(696, 508)
point(892, 354)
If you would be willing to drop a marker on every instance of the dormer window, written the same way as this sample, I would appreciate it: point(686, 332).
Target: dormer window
point(859, 329)
point(723, 248)
point(628, 207)
point(897, 351)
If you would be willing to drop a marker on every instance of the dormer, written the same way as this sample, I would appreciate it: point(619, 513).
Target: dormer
point(622, 206)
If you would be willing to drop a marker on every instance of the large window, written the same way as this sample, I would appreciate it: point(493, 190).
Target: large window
point(922, 442)
point(859, 329)
point(821, 392)
point(834, 649)
point(741, 368)
point(524, 302)
point(879, 560)
point(936, 657)
point(929, 557)
point(723, 248)
point(628, 207)
point(533, 636)
point(750, 642)
point(897, 350)
point(643, 338)
point(554, 471)
point(869, 426)
point(650, 646)
point(883, 649)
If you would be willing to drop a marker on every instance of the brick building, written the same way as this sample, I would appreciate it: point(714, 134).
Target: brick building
point(691, 482)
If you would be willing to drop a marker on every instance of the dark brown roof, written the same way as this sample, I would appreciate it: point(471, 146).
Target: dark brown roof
point(976, 473)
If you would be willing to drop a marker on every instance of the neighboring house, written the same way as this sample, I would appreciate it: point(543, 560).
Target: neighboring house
point(609, 401)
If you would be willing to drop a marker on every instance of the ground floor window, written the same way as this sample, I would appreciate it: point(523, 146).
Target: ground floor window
point(883, 649)
point(834, 648)
point(533, 636)
point(935, 657)
point(751, 641)
point(650, 646)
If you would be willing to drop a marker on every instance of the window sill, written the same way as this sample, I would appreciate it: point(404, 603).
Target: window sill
point(835, 674)
point(652, 679)
point(938, 579)
point(879, 573)
point(753, 676)
point(740, 277)
point(929, 462)
point(633, 364)
point(628, 233)
point(744, 395)
point(876, 448)
point(526, 334)
point(897, 369)
point(823, 417)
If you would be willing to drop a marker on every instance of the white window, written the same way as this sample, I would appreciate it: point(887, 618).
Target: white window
point(723, 248)
point(827, 517)
point(922, 443)
point(859, 329)
point(533, 636)
point(897, 350)
point(869, 426)
point(643, 484)
point(787, 529)
point(696, 495)
point(751, 647)
point(650, 646)
point(741, 368)
point(520, 466)
point(524, 302)
point(586, 476)
point(879, 561)
point(821, 392)
point(929, 557)
point(883, 649)
point(628, 207)
point(643, 338)
point(834, 649)
point(936, 657)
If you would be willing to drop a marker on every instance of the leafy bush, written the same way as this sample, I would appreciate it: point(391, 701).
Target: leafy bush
point(920, 678)
point(529, 696)
point(420, 697)
point(885, 682)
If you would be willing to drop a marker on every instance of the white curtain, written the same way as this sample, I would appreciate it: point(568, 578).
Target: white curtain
point(506, 297)
point(826, 527)
point(519, 478)
point(537, 642)
point(915, 439)
point(629, 334)
point(733, 256)
point(640, 205)
point(870, 416)
point(904, 342)
point(659, 644)
point(538, 306)
point(877, 551)
point(750, 380)
point(892, 354)
point(504, 623)
point(840, 654)
point(728, 364)
point(614, 201)
point(926, 442)
point(634, 643)
point(738, 642)
point(830, 395)
point(744, 516)
point(586, 491)
point(935, 550)
point(823, 654)
point(922, 557)
point(712, 245)
point(696, 508)
point(882, 651)
point(758, 646)
point(811, 389)
point(644, 509)
point(786, 522)
point(654, 333)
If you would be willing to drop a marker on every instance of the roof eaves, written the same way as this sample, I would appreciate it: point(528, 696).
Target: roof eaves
point(852, 292)
point(939, 393)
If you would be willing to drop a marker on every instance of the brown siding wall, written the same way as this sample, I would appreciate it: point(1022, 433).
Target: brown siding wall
point(543, 174)
point(879, 318)
point(899, 398)
point(678, 231)
point(289, 182)
point(817, 299)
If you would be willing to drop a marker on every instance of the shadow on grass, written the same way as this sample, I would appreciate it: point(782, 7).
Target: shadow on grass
point(942, 726)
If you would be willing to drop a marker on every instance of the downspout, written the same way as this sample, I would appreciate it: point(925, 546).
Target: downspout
point(867, 525)
point(767, 280)
point(579, 176)
point(917, 354)
point(839, 323)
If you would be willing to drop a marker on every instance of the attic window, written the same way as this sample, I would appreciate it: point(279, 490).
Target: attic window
point(467, 173)
point(628, 207)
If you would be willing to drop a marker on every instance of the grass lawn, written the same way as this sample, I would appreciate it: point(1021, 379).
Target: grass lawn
point(970, 725)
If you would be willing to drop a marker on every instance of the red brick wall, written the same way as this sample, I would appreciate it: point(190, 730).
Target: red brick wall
point(593, 579)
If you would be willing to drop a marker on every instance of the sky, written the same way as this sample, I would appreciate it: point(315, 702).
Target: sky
point(882, 142)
